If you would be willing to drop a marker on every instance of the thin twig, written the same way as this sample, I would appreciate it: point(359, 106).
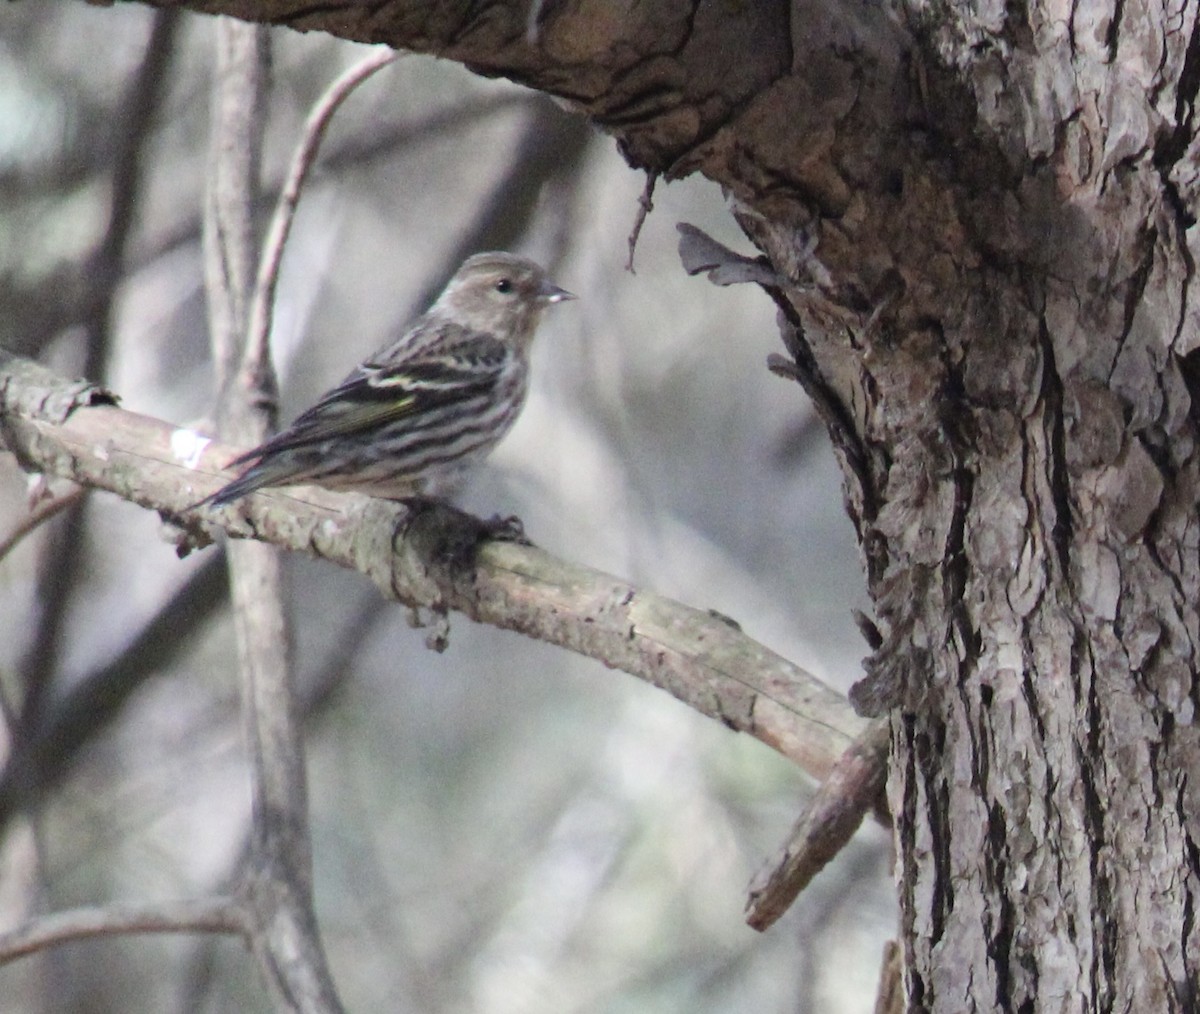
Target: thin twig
point(853, 787)
point(645, 206)
point(256, 357)
point(199, 915)
point(317, 697)
point(38, 515)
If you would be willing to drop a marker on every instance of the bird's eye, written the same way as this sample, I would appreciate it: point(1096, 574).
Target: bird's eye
point(504, 286)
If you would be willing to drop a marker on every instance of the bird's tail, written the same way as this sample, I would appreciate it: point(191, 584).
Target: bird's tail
point(267, 472)
point(247, 482)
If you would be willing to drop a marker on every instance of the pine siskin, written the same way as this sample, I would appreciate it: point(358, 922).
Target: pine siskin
point(415, 417)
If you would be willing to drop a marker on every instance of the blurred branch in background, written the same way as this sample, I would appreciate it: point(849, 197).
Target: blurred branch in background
point(47, 506)
point(550, 150)
point(240, 283)
point(49, 748)
point(256, 355)
point(63, 555)
point(47, 306)
point(202, 915)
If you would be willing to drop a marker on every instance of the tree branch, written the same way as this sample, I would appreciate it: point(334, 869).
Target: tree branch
point(199, 915)
point(39, 514)
point(702, 660)
point(854, 786)
point(708, 63)
point(278, 878)
point(256, 360)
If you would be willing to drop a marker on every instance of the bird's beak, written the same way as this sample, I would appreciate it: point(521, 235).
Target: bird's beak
point(551, 293)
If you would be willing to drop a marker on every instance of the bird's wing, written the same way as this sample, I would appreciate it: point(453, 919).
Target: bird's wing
point(389, 388)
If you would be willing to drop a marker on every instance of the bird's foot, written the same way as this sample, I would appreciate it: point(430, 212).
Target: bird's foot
point(451, 537)
point(505, 529)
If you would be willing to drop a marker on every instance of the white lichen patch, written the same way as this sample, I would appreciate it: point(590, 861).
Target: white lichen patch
point(187, 446)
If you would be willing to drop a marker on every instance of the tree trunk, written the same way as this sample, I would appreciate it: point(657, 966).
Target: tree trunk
point(982, 216)
point(1037, 514)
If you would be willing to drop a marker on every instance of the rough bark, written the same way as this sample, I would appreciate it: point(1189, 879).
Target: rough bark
point(984, 215)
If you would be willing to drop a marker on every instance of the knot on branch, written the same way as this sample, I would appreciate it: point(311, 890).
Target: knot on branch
point(33, 392)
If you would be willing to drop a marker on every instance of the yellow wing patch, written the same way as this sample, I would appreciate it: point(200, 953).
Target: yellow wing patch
point(363, 415)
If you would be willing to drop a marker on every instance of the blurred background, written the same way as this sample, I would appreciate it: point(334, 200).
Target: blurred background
point(504, 827)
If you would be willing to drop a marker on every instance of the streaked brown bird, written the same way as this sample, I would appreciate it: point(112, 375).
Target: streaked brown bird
point(413, 419)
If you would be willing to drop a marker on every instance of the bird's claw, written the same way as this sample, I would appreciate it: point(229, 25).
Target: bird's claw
point(505, 529)
point(451, 537)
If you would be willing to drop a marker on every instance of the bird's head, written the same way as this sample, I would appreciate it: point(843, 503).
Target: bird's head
point(500, 294)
